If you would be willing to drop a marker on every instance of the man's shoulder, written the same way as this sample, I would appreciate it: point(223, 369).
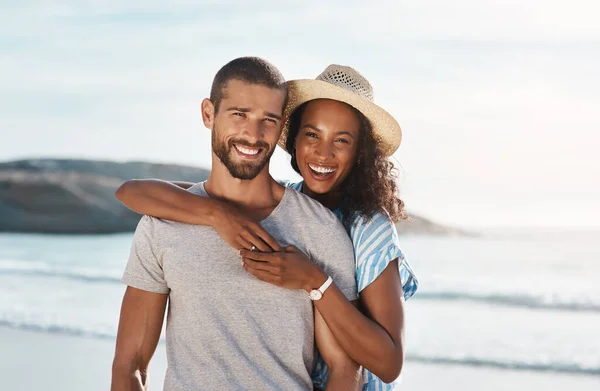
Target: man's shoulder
point(325, 241)
point(321, 230)
point(163, 231)
point(198, 189)
point(309, 210)
point(154, 225)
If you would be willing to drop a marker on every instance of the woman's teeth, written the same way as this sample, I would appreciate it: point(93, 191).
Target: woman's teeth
point(246, 151)
point(321, 170)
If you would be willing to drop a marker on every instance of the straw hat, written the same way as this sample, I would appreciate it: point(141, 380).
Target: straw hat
point(346, 85)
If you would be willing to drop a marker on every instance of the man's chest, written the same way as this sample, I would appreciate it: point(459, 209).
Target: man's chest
point(199, 264)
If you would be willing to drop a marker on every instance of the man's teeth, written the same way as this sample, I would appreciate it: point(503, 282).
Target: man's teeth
point(246, 151)
point(321, 170)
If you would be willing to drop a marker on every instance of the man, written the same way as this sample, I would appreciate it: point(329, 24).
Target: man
point(227, 330)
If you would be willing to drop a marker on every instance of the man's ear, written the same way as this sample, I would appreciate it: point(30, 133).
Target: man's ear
point(208, 113)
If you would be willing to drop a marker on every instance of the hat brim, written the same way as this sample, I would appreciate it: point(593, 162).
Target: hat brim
point(386, 130)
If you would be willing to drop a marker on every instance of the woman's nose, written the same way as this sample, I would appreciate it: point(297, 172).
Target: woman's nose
point(324, 150)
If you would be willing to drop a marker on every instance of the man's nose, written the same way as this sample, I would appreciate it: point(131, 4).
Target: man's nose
point(253, 131)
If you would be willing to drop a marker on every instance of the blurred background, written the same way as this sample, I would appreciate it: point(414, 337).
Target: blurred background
point(498, 101)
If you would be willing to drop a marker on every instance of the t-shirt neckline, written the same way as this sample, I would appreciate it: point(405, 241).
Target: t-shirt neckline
point(270, 215)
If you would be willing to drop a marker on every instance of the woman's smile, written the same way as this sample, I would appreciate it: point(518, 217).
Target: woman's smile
point(321, 172)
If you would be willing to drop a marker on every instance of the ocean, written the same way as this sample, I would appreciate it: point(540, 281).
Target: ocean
point(527, 300)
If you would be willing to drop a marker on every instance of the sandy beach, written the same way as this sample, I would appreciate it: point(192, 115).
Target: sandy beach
point(39, 361)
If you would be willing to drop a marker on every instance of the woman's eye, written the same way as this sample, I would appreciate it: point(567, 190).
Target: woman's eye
point(342, 140)
point(311, 134)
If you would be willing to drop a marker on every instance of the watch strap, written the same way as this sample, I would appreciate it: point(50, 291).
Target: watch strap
point(326, 285)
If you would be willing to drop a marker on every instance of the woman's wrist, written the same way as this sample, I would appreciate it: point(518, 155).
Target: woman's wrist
point(215, 213)
point(316, 278)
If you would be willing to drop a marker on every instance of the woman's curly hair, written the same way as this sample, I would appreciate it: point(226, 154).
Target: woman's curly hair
point(371, 184)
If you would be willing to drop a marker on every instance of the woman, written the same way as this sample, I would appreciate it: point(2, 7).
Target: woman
point(339, 141)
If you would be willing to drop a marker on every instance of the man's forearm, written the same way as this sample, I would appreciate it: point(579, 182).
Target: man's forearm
point(126, 380)
point(346, 378)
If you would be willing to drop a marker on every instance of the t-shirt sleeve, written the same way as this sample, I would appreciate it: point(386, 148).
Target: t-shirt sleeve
point(144, 268)
point(336, 257)
point(376, 244)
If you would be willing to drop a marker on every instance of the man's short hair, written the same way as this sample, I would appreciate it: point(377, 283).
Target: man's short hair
point(251, 70)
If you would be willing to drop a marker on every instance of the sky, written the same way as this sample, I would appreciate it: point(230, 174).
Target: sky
point(498, 100)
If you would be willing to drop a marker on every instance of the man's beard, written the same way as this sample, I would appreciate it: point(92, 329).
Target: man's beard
point(247, 170)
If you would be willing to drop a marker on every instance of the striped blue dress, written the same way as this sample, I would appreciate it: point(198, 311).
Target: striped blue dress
point(376, 244)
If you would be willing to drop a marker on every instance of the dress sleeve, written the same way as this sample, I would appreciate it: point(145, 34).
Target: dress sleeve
point(291, 185)
point(376, 244)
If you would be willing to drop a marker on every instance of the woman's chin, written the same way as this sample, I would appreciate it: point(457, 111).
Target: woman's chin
point(320, 188)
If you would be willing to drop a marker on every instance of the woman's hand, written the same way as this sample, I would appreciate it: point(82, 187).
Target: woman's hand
point(289, 269)
point(241, 232)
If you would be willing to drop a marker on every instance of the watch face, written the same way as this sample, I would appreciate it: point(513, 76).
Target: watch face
point(315, 294)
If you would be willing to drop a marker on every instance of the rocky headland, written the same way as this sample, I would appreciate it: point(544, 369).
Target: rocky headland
point(67, 196)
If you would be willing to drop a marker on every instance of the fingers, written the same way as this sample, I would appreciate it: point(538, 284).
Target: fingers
point(268, 239)
point(259, 256)
point(247, 241)
point(257, 242)
point(256, 236)
point(264, 266)
point(263, 275)
point(243, 243)
point(264, 238)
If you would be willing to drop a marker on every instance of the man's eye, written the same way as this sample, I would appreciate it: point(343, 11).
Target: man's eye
point(239, 114)
point(271, 120)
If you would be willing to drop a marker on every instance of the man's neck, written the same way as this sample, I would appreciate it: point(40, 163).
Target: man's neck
point(258, 196)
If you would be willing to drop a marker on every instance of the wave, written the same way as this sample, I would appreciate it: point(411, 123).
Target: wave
point(527, 301)
point(56, 329)
point(559, 367)
point(44, 270)
point(531, 301)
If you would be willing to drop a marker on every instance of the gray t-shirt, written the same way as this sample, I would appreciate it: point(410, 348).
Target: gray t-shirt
point(227, 330)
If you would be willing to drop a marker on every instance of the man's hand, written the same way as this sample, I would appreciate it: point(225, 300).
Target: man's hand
point(241, 232)
point(344, 373)
point(289, 269)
